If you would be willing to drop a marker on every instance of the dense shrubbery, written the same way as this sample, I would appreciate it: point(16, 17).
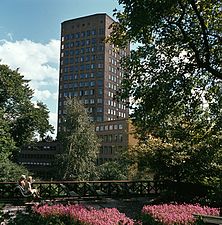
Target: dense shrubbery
point(165, 214)
point(72, 215)
point(174, 214)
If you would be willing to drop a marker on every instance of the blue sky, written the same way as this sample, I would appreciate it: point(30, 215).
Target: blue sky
point(30, 40)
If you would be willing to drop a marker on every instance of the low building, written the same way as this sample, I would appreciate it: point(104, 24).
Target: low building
point(115, 136)
point(38, 157)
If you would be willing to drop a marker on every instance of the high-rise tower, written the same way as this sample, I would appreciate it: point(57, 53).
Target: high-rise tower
point(89, 68)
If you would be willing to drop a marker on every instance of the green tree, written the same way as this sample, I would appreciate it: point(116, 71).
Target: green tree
point(112, 170)
point(80, 143)
point(7, 145)
point(20, 120)
point(20, 114)
point(174, 79)
point(9, 171)
point(42, 120)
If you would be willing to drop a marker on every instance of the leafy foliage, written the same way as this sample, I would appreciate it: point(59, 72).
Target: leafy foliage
point(80, 143)
point(10, 171)
point(19, 120)
point(174, 79)
point(21, 115)
point(112, 170)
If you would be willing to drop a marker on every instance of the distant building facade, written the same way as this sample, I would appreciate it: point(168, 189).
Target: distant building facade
point(38, 157)
point(115, 136)
point(90, 68)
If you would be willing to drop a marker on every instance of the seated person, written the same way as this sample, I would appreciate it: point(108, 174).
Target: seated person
point(29, 189)
point(22, 181)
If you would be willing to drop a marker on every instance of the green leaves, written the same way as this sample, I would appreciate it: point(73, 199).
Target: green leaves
point(80, 143)
point(174, 79)
point(22, 117)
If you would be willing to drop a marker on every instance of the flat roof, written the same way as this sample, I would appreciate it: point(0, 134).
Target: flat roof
point(88, 16)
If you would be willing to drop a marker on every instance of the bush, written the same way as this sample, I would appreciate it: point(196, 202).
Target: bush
point(175, 214)
point(71, 215)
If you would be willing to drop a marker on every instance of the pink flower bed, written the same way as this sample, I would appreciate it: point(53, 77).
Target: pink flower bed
point(106, 216)
point(177, 214)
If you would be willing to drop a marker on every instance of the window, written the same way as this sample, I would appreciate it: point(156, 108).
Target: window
point(100, 82)
point(92, 83)
point(82, 42)
point(83, 34)
point(93, 32)
point(99, 118)
point(99, 100)
point(77, 35)
point(82, 75)
point(93, 40)
point(93, 49)
point(77, 44)
point(87, 58)
point(100, 91)
point(82, 50)
point(91, 92)
point(99, 109)
point(92, 101)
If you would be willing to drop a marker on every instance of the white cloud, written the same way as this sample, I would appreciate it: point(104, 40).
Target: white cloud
point(45, 94)
point(38, 63)
point(33, 59)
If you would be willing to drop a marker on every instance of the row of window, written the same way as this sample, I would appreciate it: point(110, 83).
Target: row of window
point(98, 118)
point(82, 93)
point(83, 58)
point(92, 83)
point(115, 104)
point(42, 148)
point(76, 68)
point(36, 156)
point(113, 86)
point(116, 113)
point(83, 42)
point(36, 163)
point(88, 84)
point(115, 52)
point(82, 51)
point(81, 84)
point(92, 49)
point(110, 150)
point(109, 127)
point(83, 34)
point(112, 138)
point(79, 76)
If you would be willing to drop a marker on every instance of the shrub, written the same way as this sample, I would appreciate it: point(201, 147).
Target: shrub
point(71, 215)
point(169, 214)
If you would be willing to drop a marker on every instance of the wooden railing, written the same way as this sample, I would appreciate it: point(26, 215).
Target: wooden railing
point(85, 189)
